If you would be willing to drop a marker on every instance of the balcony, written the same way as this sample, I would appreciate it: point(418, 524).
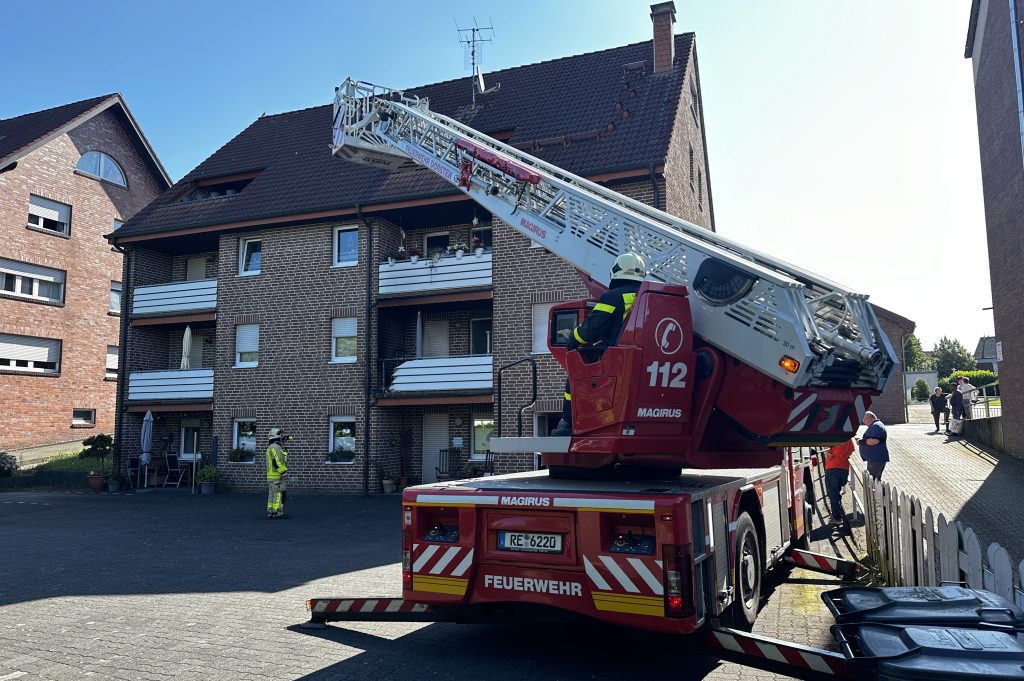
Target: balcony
point(178, 388)
point(429, 276)
point(181, 298)
point(466, 379)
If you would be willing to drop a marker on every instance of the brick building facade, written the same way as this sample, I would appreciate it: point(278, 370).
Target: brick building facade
point(68, 175)
point(994, 46)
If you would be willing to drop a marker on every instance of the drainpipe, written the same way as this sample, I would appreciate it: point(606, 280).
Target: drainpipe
point(368, 374)
point(122, 352)
point(654, 187)
point(1016, 72)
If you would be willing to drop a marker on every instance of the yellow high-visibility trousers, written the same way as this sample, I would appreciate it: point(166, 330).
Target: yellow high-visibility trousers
point(275, 504)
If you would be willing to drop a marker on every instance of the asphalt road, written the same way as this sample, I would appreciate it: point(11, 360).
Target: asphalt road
point(167, 585)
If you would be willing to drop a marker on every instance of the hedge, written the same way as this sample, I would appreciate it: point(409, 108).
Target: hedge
point(979, 378)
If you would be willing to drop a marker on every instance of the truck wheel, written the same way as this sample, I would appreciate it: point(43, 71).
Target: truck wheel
point(746, 577)
point(804, 542)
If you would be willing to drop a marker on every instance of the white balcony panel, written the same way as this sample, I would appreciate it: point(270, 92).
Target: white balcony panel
point(444, 373)
point(194, 384)
point(406, 277)
point(175, 298)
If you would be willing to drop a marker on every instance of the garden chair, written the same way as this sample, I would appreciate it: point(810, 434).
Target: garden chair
point(175, 471)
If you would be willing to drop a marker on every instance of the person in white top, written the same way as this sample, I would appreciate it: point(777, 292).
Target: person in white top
point(968, 391)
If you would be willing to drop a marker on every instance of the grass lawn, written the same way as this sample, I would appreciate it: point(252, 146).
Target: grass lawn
point(69, 461)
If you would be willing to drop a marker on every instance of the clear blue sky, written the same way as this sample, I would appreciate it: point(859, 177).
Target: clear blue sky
point(841, 136)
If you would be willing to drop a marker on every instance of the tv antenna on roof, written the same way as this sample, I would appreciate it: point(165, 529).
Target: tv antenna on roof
point(473, 39)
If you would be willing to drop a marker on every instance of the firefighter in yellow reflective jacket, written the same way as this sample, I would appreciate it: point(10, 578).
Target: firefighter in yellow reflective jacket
point(604, 323)
point(277, 473)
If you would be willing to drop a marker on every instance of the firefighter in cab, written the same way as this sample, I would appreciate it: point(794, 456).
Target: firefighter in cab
point(604, 323)
point(277, 473)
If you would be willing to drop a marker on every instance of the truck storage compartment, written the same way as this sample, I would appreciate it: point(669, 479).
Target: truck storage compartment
point(893, 652)
point(948, 606)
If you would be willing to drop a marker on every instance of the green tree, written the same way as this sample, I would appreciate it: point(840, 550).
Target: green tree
point(920, 390)
point(913, 356)
point(951, 356)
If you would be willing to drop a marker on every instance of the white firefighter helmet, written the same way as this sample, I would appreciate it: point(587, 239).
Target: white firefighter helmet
point(629, 266)
point(276, 434)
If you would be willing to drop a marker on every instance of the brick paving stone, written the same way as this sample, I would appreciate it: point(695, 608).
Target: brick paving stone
point(168, 585)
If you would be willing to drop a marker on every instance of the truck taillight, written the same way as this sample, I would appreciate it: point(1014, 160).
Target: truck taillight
point(676, 579)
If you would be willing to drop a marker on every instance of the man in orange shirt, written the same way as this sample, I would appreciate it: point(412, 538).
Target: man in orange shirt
point(837, 473)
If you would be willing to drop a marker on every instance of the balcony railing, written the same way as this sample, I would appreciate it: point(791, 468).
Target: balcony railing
point(175, 298)
point(428, 275)
point(437, 374)
point(194, 384)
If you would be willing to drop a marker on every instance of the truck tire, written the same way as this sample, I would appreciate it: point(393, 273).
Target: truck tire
point(747, 577)
point(804, 542)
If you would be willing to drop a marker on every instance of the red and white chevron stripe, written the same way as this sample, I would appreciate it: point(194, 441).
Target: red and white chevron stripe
point(801, 412)
point(821, 661)
point(625, 574)
point(320, 606)
point(443, 560)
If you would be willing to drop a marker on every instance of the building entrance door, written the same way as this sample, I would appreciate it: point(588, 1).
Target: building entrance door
point(435, 438)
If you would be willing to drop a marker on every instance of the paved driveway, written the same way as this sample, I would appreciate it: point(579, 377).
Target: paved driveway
point(162, 585)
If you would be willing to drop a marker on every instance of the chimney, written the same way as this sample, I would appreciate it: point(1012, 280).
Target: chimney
point(663, 16)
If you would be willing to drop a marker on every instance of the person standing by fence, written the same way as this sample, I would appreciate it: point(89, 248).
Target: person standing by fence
point(872, 445)
point(837, 473)
point(938, 402)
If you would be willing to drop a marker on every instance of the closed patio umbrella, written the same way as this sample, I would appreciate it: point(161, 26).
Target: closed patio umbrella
point(186, 348)
point(146, 440)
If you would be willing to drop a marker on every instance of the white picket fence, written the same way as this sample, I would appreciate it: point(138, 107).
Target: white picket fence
point(914, 546)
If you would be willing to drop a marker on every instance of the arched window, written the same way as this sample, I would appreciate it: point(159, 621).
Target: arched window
point(99, 165)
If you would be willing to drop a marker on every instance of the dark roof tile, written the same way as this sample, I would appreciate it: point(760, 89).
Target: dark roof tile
point(21, 131)
point(538, 101)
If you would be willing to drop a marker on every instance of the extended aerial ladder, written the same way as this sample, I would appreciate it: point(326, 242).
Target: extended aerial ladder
point(819, 343)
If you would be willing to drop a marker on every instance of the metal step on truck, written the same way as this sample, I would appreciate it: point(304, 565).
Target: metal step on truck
point(686, 474)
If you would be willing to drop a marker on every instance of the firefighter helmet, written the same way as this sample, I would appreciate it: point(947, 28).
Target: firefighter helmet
point(276, 434)
point(629, 266)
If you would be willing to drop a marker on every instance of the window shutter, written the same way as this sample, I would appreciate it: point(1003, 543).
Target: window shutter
point(49, 209)
point(247, 338)
point(29, 270)
point(112, 357)
point(345, 326)
point(29, 348)
point(195, 352)
point(540, 327)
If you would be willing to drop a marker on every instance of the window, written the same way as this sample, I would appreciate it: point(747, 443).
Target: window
point(189, 440)
point(694, 101)
point(541, 331)
point(115, 297)
point(195, 268)
point(346, 246)
point(49, 215)
point(342, 443)
point(486, 236)
point(343, 340)
point(247, 345)
point(249, 256)
point(243, 437)
point(483, 426)
point(700, 191)
point(111, 361)
point(216, 190)
point(83, 417)
point(435, 244)
point(31, 281)
point(102, 167)
point(692, 185)
point(28, 353)
point(480, 336)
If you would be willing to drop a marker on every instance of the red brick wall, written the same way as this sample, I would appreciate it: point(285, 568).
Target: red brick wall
point(891, 405)
point(40, 412)
point(684, 196)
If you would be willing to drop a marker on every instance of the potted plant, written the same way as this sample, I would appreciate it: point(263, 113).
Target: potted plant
point(478, 246)
point(207, 477)
point(387, 482)
point(97, 447)
point(460, 250)
point(341, 455)
point(114, 482)
point(414, 253)
point(241, 455)
point(468, 470)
